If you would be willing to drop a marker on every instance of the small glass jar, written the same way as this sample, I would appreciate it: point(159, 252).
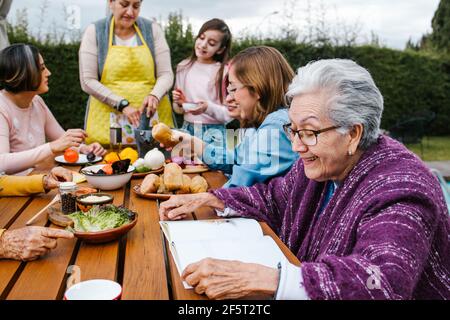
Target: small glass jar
point(67, 191)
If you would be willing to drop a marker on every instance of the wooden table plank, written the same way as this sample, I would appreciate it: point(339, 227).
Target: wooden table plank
point(144, 271)
point(100, 261)
point(9, 208)
point(42, 279)
point(216, 179)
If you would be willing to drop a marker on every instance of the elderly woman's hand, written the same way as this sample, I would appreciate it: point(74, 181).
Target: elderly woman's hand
point(150, 105)
point(57, 175)
point(30, 243)
point(223, 279)
point(95, 148)
point(177, 207)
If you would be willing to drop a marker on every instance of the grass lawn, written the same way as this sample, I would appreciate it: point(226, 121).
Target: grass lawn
point(434, 148)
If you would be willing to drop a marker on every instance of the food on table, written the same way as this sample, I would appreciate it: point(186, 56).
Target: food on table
point(173, 176)
point(68, 197)
point(111, 157)
point(107, 169)
point(100, 218)
point(85, 190)
point(198, 184)
point(95, 199)
point(90, 157)
point(150, 184)
point(85, 202)
point(129, 153)
point(163, 134)
point(71, 155)
point(117, 167)
point(157, 184)
point(186, 187)
point(178, 160)
point(121, 166)
point(139, 164)
point(162, 187)
point(78, 177)
point(154, 159)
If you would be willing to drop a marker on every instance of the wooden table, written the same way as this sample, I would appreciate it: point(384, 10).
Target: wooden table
point(138, 261)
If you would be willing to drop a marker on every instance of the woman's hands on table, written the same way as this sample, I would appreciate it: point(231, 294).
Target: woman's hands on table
point(55, 176)
point(30, 243)
point(178, 207)
point(95, 148)
point(224, 279)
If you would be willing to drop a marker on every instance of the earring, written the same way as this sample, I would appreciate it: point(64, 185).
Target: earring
point(350, 153)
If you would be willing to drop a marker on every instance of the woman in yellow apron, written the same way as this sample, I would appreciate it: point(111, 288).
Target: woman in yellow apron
point(125, 68)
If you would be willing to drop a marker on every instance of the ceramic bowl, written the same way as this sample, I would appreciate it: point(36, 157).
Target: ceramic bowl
point(84, 204)
point(106, 182)
point(97, 289)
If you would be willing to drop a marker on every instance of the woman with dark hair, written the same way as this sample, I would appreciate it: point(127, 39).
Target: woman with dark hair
point(258, 80)
point(26, 123)
point(125, 68)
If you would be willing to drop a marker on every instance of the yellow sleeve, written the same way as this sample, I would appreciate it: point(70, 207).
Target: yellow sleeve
point(21, 186)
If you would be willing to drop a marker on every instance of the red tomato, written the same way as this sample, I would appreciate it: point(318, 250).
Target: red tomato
point(107, 169)
point(70, 155)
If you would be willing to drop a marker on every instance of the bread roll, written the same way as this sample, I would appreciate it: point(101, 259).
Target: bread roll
point(198, 184)
point(163, 134)
point(162, 188)
point(150, 184)
point(186, 187)
point(173, 176)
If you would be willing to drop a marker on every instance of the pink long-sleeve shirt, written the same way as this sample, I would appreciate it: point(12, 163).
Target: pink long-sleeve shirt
point(198, 83)
point(24, 133)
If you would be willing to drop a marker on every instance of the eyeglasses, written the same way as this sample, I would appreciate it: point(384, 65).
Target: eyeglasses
point(306, 136)
point(232, 90)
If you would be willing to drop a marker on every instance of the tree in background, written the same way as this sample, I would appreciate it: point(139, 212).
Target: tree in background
point(440, 37)
point(179, 37)
point(438, 40)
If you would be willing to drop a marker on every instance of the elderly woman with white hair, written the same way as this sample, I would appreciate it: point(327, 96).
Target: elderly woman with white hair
point(364, 215)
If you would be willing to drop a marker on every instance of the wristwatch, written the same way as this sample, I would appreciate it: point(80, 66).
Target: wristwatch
point(122, 104)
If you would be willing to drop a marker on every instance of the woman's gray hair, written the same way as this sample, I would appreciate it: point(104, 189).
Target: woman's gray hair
point(354, 97)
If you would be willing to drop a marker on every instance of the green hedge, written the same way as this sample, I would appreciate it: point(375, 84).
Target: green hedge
point(409, 81)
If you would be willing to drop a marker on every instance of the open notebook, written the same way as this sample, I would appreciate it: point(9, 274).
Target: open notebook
point(228, 239)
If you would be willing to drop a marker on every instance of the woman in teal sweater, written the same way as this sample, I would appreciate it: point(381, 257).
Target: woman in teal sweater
point(258, 80)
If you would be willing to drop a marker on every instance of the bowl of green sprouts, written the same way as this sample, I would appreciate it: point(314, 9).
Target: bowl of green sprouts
point(102, 223)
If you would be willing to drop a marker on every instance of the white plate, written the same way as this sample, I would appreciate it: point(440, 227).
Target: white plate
point(189, 106)
point(82, 159)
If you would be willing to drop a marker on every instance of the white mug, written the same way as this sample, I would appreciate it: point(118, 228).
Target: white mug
point(97, 289)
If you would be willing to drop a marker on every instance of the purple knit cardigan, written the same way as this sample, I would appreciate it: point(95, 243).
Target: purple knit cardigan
point(383, 235)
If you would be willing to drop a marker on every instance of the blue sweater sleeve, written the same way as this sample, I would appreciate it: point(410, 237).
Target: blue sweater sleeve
point(265, 155)
point(262, 155)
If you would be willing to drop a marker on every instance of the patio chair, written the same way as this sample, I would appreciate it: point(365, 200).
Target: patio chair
point(411, 130)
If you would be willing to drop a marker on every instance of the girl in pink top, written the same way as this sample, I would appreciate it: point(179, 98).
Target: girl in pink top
point(29, 133)
point(199, 80)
